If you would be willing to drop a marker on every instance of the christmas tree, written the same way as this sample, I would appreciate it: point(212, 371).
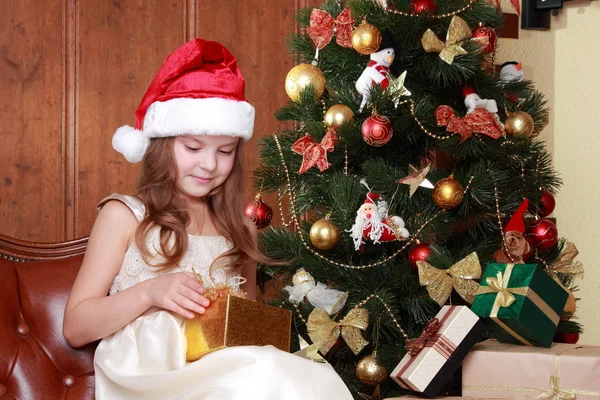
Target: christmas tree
point(409, 153)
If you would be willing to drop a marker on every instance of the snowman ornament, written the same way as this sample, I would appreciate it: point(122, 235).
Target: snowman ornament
point(473, 101)
point(511, 71)
point(376, 73)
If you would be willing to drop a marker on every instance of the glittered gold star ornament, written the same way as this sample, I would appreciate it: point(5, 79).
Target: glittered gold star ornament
point(458, 32)
point(375, 396)
point(309, 351)
point(416, 178)
point(397, 89)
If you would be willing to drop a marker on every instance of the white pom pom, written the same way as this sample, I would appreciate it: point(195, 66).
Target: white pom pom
point(131, 143)
point(399, 222)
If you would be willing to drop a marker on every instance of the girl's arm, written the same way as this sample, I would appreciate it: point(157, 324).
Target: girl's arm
point(249, 270)
point(90, 314)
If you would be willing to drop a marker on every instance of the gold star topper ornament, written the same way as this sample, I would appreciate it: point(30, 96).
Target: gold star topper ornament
point(397, 89)
point(416, 178)
point(458, 32)
point(375, 396)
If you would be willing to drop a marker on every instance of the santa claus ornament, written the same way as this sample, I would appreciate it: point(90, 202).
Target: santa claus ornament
point(515, 246)
point(373, 222)
point(473, 101)
point(377, 71)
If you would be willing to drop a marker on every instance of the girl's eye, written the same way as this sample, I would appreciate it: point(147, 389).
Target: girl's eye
point(226, 153)
point(192, 149)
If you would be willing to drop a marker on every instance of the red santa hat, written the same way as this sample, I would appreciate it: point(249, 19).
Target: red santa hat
point(371, 197)
point(199, 90)
point(468, 90)
point(516, 222)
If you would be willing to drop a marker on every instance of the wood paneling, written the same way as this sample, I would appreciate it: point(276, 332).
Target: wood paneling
point(71, 72)
point(122, 45)
point(31, 119)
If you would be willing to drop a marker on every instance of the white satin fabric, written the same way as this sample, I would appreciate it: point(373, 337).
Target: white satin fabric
point(145, 360)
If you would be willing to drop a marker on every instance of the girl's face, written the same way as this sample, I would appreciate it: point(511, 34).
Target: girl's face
point(203, 162)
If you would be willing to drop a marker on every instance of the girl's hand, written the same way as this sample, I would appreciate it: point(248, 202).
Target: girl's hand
point(178, 292)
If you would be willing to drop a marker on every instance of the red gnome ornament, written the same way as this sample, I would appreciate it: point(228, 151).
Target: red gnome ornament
point(515, 243)
point(373, 222)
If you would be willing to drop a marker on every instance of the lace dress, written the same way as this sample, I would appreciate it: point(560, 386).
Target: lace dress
point(146, 358)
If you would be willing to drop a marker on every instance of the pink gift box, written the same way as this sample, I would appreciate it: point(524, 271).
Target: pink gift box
point(430, 369)
point(564, 371)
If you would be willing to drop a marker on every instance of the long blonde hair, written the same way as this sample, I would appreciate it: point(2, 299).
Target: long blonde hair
point(166, 209)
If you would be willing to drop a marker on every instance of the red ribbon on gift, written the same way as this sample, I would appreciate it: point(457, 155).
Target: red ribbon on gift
point(429, 338)
point(323, 26)
point(314, 153)
point(479, 121)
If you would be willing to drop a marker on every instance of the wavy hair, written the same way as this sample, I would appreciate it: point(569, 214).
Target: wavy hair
point(166, 209)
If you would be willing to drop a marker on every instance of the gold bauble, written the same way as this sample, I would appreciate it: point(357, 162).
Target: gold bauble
point(324, 234)
point(570, 307)
point(300, 77)
point(370, 372)
point(519, 123)
point(338, 115)
point(366, 39)
point(448, 193)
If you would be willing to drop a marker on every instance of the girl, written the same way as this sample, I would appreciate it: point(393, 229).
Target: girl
point(187, 213)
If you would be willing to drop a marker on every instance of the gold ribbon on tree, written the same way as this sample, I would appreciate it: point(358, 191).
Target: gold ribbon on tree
point(565, 263)
point(324, 332)
point(458, 32)
point(439, 282)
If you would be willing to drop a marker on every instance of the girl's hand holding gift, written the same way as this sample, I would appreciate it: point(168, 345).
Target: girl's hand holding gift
point(178, 292)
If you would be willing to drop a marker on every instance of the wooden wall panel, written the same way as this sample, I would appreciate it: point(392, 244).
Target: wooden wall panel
point(122, 45)
point(31, 126)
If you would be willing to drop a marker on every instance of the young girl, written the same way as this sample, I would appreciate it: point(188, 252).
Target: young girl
point(190, 128)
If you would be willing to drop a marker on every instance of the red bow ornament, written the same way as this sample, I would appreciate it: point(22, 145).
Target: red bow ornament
point(323, 26)
point(479, 121)
point(314, 153)
point(414, 346)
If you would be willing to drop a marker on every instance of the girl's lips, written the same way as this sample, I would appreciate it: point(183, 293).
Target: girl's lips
point(201, 180)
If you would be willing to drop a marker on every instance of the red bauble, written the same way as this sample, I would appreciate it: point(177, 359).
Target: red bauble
point(422, 7)
point(486, 32)
point(571, 338)
point(547, 203)
point(418, 253)
point(377, 130)
point(259, 212)
point(542, 234)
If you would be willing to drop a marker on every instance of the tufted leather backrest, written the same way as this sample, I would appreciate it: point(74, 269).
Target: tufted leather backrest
point(35, 360)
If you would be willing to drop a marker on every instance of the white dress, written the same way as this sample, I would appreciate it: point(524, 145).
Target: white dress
point(146, 358)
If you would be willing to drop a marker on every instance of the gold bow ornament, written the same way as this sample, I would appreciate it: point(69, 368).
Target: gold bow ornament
point(458, 32)
point(565, 263)
point(439, 282)
point(309, 351)
point(324, 332)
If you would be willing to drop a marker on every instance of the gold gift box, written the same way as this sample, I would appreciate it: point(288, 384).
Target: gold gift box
point(234, 321)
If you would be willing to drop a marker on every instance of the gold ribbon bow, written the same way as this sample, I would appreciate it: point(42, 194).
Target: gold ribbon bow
point(565, 263)
point(458, 32)
point(414, 346)
point(505, 295)
point(439, 282)
point(555, 393)
point(324, 332)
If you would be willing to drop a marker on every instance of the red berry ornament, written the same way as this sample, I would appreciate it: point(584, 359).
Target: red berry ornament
point(418, 253)
point(486, 32)
point(547, 203)
point(543, 234)
point(259, 212)
point(422, 7)
point(571, 338)
point(377, 130)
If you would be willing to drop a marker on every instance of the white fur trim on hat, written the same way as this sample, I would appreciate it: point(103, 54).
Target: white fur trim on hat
point(131, 143)
point(210, 116)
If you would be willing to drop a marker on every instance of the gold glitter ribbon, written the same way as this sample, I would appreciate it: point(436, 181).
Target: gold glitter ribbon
point(324, 332)
point(553, 393)
point(565, 263)
point(439, 282)
point(222, 290)
point(458, 32)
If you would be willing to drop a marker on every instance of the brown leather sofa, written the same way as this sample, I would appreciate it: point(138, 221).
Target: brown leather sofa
point(36, 363)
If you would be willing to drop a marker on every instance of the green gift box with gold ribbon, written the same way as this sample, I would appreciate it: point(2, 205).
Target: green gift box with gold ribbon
point(521, 303)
